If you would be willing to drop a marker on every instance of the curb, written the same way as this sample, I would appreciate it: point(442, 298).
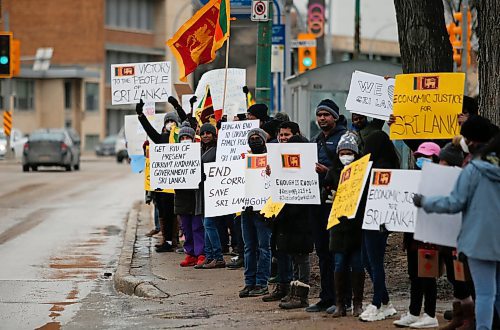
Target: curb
point(123, 280)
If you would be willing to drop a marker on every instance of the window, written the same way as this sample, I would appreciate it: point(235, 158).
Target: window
point(92, 96)
point(130, 14)
point(25, 94)
point(91, 141)
point(114, 57)
point(67, 95)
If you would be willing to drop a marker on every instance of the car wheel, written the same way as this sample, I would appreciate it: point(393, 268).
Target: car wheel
point(68, 168)
point(76, 167)
point(26, 168)
point(119, 159)
point(34, 168)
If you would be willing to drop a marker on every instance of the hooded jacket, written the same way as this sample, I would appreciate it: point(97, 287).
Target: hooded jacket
point(327, 145)
point(477, 195)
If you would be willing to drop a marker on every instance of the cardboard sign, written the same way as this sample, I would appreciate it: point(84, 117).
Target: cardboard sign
point(135, 134)
point(370, 95)
point(235, 98)
point(224, 187)
point(352, 182)
point(175, 165)
point(271, 209)
point(428, 263)
point(232, 141)
point(426, 105)
point(436, 228)
point(390, 200)
point(147, 177)
point(257, 184)
point(132, 82)
point(182, 89)
point(293, 173)
point(186, 105)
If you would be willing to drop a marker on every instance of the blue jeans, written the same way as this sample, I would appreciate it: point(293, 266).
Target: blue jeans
point(157, 219)
point(257, 241)
point(486, 277)
point(213, 249)
point(374, 243)
point(349, 262)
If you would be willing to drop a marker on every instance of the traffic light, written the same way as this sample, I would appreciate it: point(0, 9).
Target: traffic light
point(455, 32)
point(307, 52)
point(5, 54)
point(16, 57)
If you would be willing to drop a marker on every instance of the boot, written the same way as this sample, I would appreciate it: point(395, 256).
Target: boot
point(358, 287)
point(291, 292)
point(280, 291)
point(300, 298)
point(339, 279)
point(468, 317)
point(457, 317)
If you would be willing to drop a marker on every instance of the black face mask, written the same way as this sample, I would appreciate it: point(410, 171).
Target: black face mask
point(257, 146)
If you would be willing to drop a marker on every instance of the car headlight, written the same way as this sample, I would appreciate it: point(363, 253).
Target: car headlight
point(2, 147)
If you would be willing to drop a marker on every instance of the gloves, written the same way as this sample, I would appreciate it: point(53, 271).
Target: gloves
point(172, 100)
point(245, 89)
point(330, 197)
point(343, 219)
point(139, 107)
point(417, 200)
point(192, 100)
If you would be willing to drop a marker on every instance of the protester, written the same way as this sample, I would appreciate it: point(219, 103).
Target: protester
point(345, 238)
point(469, 109)
point(191, 224)
point(332, 126)
point(258, 111)
point(383, 154)
point(420, 287)
point(476, 195)
point(364, 128)
point(256, 235)
point(477, 131)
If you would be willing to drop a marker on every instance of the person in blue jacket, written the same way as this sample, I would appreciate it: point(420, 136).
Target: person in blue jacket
point(477, 195)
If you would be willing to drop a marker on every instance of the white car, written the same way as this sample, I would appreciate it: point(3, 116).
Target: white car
point(17, 141)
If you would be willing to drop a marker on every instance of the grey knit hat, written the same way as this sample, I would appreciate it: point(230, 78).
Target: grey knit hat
point(330, 106)
point(171, 116)
point(257, 131)
point(348, 141)
point(207, 127)
point(452, 154)
point(186, 130)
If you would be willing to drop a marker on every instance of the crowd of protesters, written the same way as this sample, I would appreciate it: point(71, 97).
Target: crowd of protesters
point(347, 254)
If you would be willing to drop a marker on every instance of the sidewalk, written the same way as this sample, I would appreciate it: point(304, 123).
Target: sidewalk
point(209, 298)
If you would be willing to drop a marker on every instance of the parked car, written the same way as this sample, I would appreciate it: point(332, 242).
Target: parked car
point(51, 147)
point(107, 146)
point(121, 146)
point(17, 141)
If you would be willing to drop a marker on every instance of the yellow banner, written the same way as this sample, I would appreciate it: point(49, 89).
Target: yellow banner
point(271, 208)
point(352, 181)
point(426, 105)
point(147, 179)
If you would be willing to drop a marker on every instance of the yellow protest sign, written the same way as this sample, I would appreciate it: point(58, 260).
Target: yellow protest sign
point(147, 179)
point(271, 208)
point(426, 105)
point(352, 181)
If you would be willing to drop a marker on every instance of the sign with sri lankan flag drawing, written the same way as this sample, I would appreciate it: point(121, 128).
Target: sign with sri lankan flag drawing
point(426, 105)
point(293, 173)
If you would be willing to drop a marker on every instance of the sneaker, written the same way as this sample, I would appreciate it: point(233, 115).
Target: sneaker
point(214, 264)
point(180, 250)
point(165, 247)
point(235, 263)
point(189, 261)
point(331, 309)
point(152, 232)
point(405, 320)
point(246, 290)
point(372, 313)
point(201, 262)
point(425, 321)
point(320, 306)
point(259, 291)
point(388, 310)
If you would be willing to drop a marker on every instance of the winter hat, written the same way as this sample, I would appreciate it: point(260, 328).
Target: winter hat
point(259, 110)
point(477, 129)
point(186, 130)
point(171, 116)
point(452, 154)
point(207, 127)
point(281, 117)
point(257, 131)
point(348, 141)
point(428, 149)
point(330, 106)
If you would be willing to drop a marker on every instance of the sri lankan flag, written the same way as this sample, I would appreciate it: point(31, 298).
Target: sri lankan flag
point(174, 134)
point(201, 36)
point(205, 110)
point(250, 100)
point(290, 160)
point(256, 161)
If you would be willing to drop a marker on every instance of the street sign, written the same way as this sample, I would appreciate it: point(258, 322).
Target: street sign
point(260, 11)
point(303, 43)
point(278, 37)
point(7, 122)
point(239, 8)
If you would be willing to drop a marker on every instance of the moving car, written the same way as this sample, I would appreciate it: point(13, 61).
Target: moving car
point(107, 146)
point(51, 147)
point(17, 141)
point(121, 147)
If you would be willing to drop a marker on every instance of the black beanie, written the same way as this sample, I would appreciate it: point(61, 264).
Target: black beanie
point(330, 106)
point(477, 129)
point(452, 154)
point(259, 110)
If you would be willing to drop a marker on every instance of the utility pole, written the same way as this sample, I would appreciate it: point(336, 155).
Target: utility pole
point(264, 41)
point(356, 30)
point(465, 39)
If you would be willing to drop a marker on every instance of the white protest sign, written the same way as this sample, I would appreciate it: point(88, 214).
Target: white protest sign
point(293, 173)
point(136, 135)
point(257, 184)
point(389, 200)
point(224, 187)
point(134, 81)
point(232, 140)
point(175, 166)
point(186, 106)
point(235, 98)
point(436, 228)
point(370, 95)
point(149, 108)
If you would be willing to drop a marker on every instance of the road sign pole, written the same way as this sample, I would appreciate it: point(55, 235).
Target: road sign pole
point(264, 41)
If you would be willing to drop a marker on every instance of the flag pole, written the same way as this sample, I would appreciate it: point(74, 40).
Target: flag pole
point(225, 78)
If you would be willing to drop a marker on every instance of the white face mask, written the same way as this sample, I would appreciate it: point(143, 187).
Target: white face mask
point(186, 141)
point(168, 126)
point(464, 146)
point(346, 159)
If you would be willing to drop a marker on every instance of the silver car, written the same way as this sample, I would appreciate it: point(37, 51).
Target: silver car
point(51, 147)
